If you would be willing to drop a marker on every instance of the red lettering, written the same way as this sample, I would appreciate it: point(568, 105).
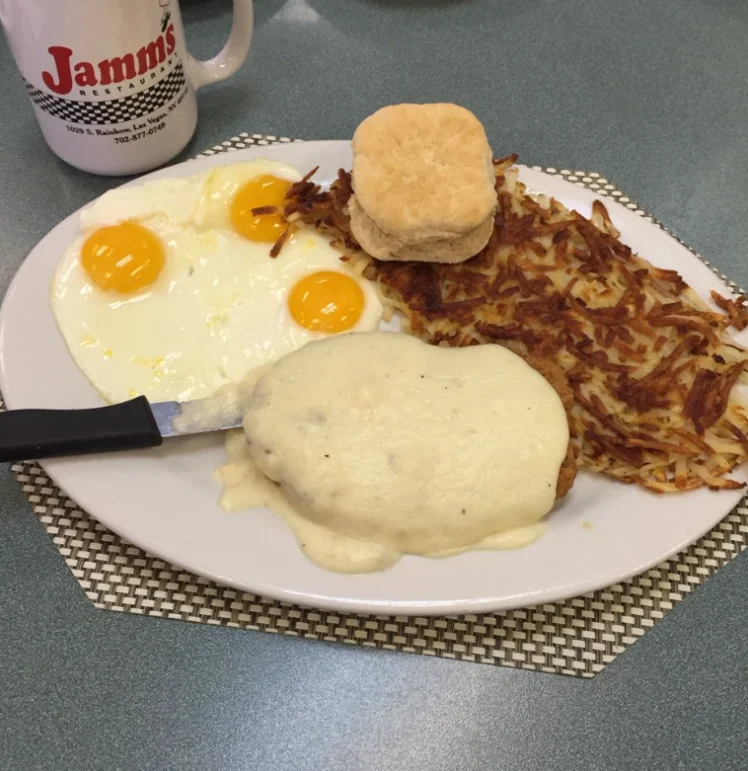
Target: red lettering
point(116, 69)
point(85, 74)
point(151, 56)
point(64, 83)
point(171, 43)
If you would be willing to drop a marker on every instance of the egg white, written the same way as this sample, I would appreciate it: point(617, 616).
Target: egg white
point(218, 308)
point(178, 200)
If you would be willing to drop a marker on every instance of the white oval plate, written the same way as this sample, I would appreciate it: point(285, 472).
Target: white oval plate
point(165, 500)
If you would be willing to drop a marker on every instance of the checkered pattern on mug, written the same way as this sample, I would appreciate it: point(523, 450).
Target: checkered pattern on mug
point(111, 111)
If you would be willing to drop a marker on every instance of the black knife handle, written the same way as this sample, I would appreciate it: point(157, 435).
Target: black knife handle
point(32, 434)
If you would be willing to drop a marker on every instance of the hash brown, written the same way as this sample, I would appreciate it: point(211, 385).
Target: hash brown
point(651, 366)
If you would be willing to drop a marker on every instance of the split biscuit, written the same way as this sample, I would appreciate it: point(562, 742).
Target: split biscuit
point(423, 184)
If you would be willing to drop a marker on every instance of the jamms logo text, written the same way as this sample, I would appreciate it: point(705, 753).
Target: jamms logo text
point(69, 73)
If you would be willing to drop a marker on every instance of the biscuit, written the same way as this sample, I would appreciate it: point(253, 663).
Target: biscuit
point(424, 171)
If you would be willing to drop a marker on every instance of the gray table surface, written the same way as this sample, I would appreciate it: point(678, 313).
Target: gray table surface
point(651, 93)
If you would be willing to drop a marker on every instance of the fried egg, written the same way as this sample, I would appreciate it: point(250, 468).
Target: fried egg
point(170, 290)
point(233, 193)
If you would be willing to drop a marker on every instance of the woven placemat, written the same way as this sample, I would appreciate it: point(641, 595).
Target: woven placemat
point(576, 637)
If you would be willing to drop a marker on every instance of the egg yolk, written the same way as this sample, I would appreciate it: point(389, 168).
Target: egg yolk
point(259, 193)
point(326, 301)
point(123, 258)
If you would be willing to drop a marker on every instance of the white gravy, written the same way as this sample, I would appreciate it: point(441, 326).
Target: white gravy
point(373, 445)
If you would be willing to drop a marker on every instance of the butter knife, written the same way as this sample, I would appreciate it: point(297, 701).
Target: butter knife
point(132, 425)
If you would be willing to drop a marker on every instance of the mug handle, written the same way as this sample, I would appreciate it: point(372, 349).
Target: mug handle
point(231, 56)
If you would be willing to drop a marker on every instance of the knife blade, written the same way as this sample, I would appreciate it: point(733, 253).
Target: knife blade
point(32, 434)
point(195, 417)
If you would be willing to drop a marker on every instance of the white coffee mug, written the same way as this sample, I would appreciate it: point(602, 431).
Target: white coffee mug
point(111, 81)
